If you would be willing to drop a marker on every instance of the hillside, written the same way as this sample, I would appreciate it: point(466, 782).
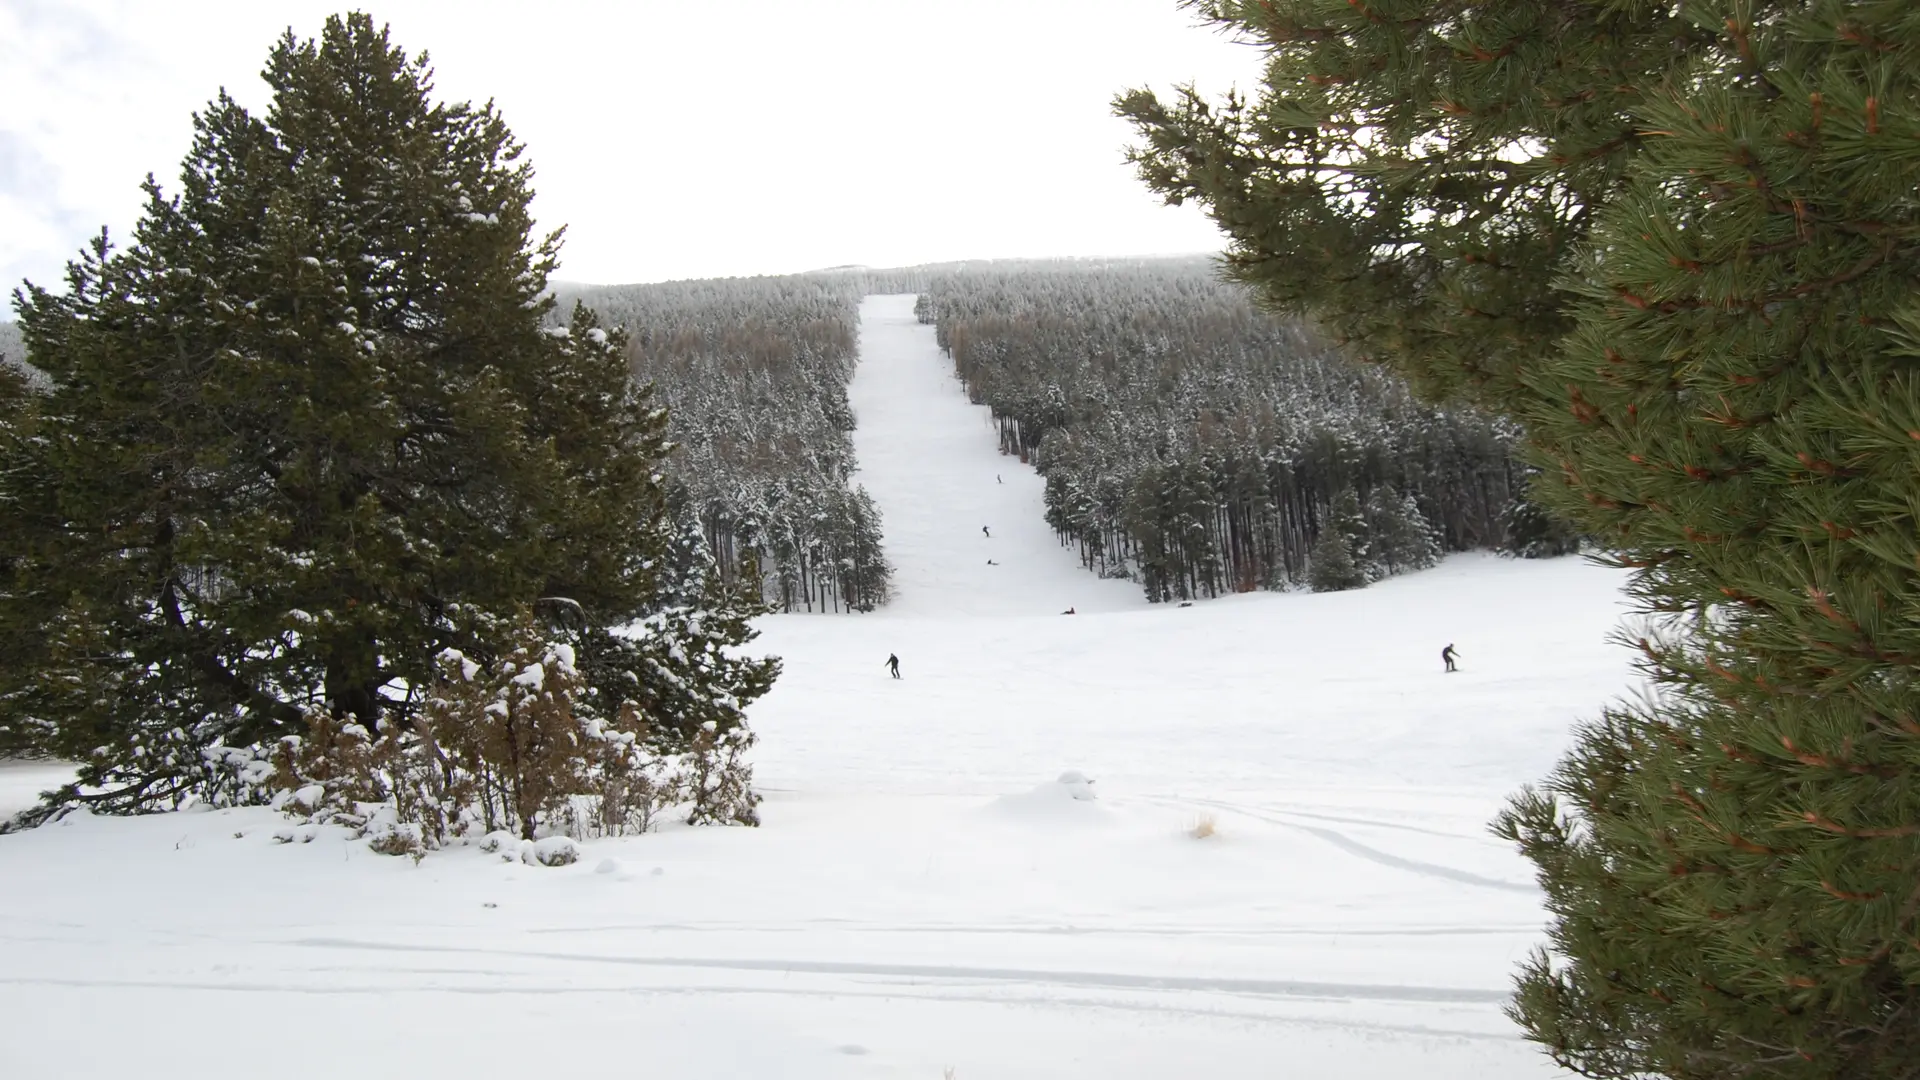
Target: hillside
point(924, 894)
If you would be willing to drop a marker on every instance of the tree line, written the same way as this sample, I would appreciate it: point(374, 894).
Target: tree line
point(753, 374)
point(1198, 446)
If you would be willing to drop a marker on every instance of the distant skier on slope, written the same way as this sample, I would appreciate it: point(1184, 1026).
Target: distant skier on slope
point(893, 662)
point(990, 562)
point(985, 533)
point(997, 480)
point(1069, 611)
point(1447, 656)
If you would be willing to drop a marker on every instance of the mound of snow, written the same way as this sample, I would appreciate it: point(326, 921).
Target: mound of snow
point(1077, 785)
point(500, 842)
point(1068, 798)
point(550, 851)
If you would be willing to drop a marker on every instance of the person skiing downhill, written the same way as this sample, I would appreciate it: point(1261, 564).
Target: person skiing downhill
point(1447, 656)
point(985, 533)
point(893, 662)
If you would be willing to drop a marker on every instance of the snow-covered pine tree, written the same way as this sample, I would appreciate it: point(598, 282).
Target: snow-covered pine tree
point(1332, 567)
point(309, 422)
point(1535, 533)
point(1346, 517)
point(1399, 537)
point(12, 355)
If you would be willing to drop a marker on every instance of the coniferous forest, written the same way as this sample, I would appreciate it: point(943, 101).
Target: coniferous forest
point(753, 373)
point(1200, 447)
point(11, 352)
point(1189, 441)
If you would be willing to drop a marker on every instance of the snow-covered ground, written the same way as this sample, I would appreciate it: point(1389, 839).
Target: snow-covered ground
point(924, 895)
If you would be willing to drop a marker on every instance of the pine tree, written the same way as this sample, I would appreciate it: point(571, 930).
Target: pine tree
point(23, 642)
point(312, 412)
point(1331, 566)
point(1535, 533)
point(1400, 537)
point(1341, 556)
point(1681, 243)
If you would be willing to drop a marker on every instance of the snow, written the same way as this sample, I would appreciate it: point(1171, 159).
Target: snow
point(550, 851)
point(21, 783)
point(932, 468)
point(533, 678)
point(931, 889)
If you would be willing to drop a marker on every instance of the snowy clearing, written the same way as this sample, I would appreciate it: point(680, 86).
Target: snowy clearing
point(926, 894)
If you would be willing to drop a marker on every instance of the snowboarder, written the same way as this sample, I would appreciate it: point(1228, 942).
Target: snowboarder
point(1447, 656)
point(1069, 611)
point(990, 562)
point(893, 662)
point(985, 533)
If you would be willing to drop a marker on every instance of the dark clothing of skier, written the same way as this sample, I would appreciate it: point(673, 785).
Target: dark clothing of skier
point(1446, 657)
point(985, 533)
point(893, 662)
point(1069, 611)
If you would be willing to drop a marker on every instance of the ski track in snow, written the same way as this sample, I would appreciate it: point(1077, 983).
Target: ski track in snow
point(1372, 854)
point(1269, 987)
point(922, 895)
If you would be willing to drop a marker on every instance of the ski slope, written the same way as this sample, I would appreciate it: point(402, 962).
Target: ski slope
point(924, 896)
point(931, 461)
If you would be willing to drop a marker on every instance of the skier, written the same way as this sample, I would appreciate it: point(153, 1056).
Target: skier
point(1069, 611)
point(894, 663)
point(990, 562)
point(985, 533)
point(1447, 655)
point(997, 480)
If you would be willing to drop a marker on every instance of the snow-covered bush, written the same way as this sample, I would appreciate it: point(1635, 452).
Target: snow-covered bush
point(524, 744)
point(718, 781)
point(550, 851)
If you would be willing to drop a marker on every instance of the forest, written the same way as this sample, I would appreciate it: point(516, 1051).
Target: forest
point(1198, 446)
point(1189, 442)
point(753, 373)
point(12, 350)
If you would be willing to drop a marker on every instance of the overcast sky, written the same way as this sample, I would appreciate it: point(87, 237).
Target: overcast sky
point(673, 138)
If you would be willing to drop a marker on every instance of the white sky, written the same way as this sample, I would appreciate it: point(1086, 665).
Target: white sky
point(674, 138)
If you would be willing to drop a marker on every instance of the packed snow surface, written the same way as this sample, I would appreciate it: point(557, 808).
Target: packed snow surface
point(1241, 839)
